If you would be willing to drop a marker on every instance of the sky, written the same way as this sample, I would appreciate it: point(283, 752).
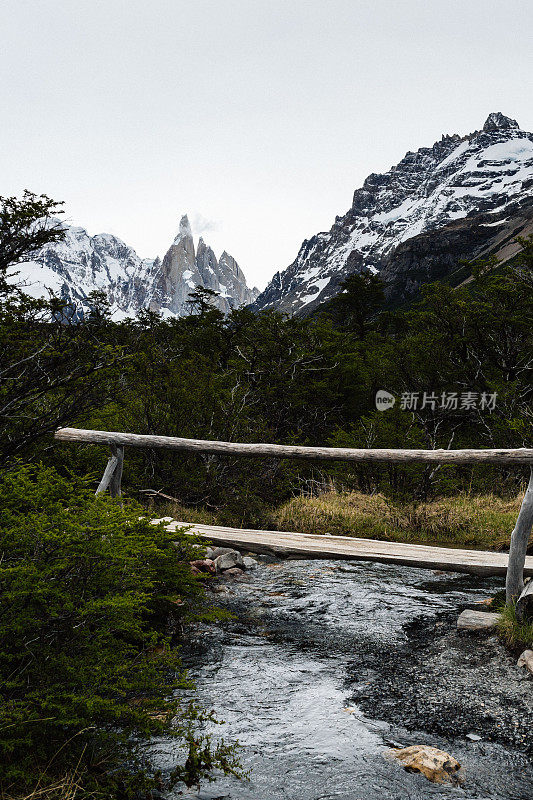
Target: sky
point(257, 118)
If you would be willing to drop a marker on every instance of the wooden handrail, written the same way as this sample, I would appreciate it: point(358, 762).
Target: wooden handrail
point(517, 456)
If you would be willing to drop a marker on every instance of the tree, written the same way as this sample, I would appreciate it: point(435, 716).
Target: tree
point(26, 225)
point(51, 367)
point(360, 298)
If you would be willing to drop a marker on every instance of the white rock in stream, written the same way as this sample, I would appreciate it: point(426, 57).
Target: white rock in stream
point(526, 660)
point(477, 620)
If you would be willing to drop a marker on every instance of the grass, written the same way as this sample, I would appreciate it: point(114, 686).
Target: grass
point(484, 521)
point(517, 634)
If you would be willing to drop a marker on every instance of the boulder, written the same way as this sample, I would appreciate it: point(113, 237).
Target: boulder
point(477, 620)
point(233, 572)
point(221, 551)
point(436, 765)
point(526, 660)
point(229, 560)
point(204, 565)
point(249, 562)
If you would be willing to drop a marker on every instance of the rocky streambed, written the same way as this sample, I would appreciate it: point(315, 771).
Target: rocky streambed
point(326, 665)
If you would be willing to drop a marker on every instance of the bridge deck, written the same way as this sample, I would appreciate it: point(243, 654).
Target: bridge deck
point(303, 545)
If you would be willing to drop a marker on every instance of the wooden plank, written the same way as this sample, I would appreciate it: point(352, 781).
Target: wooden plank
point(502, 456)
point(304, 545)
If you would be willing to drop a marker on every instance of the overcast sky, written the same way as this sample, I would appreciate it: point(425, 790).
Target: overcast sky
point(258, 118)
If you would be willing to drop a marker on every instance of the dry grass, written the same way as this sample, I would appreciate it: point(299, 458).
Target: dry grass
point(482, 521)
point(68, 788)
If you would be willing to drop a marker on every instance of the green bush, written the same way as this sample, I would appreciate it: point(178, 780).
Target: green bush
point(92, 600)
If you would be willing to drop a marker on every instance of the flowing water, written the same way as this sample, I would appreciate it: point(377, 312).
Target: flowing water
point(284, 673)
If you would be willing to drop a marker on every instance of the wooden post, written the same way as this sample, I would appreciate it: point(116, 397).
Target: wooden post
point(113, 472)
point(114, 486)
point(514, 584)
point(525, 601)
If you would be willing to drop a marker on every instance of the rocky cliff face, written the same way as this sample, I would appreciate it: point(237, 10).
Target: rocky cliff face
point(461, 198)
point(81, 263)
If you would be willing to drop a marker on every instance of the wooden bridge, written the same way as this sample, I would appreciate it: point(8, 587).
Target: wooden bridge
point(515, 565)
point(350, 548)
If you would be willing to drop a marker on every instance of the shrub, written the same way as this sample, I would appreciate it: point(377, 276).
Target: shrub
point(92, 598)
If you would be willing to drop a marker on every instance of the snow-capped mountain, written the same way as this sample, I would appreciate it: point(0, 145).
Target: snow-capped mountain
point(81, 263)
point(463, 197)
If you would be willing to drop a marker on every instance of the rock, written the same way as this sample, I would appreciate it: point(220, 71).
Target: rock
point(436, 765)
point(210, 553)
point(196, 571)
point(221, 551)
point(204, 565)
point(249, 563)
point(266, 558)
point(477, 620)
point(473, 737)
point(229, 561)
point(526, 660)
point(233, 572)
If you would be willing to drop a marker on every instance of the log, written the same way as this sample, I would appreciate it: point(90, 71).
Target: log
point(502, 456)
point(514, 584)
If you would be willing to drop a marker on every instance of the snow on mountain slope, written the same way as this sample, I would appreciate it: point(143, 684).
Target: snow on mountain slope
point(81, 264)
point(487, 172)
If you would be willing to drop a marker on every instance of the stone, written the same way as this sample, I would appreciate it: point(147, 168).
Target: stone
point(228, 561)
point(249, 563)
point(526, 660)
point(436, 765)
point(221, 551)
point(204, 565)
point(233, 572)
point(266, 558)
point(477, 620)
point(473, 737)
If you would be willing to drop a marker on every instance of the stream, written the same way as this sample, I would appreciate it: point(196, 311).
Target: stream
point(326, 665)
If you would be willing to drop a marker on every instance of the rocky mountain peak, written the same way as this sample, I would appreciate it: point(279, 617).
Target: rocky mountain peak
point(498, 121)
point(81, 263)
point(488, 172)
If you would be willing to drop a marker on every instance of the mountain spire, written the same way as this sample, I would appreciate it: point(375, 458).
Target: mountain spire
point(185, 231)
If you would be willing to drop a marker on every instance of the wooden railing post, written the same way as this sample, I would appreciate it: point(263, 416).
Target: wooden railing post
point(113, 472)
point(514, 584)
point(114, 485)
